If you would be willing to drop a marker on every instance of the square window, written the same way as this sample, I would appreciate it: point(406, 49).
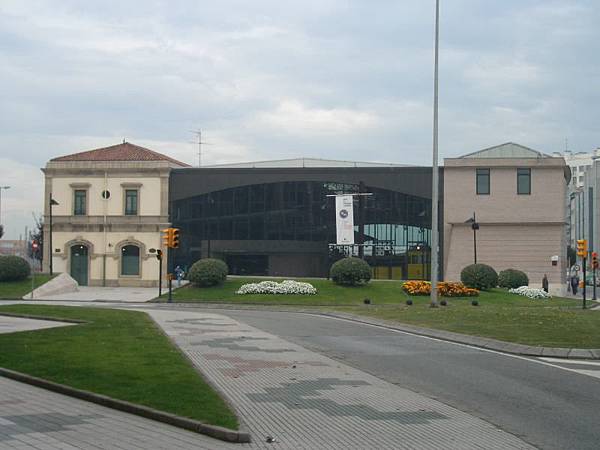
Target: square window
point(79, 202)
point(131, 202)
point(483, 181)
point(524, 181)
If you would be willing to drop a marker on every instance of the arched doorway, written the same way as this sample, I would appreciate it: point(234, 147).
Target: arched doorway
point(79, 264)
point(130, 260)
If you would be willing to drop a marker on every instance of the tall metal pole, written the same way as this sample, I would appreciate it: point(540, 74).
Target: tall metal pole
point(435, 179)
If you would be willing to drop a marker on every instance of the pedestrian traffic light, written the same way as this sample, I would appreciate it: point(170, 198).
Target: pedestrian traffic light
point(167, 237)
point(581, 248)
point(34, 246)
point(159, 255)
point(595, 260)
point(175, 238)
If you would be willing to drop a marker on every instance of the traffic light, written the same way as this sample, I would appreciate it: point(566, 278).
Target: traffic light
point(174, 237)
point(34, 246)
point(159, 255)
point(595, 260)
point(167, 237)
point(581, 248)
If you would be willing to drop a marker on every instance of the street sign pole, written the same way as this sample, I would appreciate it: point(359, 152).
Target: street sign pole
point(584, 284)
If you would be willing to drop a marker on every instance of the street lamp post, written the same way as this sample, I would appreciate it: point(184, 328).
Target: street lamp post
point(2, 188)
point(474, 227)
point(51, 203)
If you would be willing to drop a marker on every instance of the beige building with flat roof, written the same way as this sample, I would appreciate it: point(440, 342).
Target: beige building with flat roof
point(517, 195)
point(109, 207)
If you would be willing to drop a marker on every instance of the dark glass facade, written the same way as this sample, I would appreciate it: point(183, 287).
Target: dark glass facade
point(288, 227)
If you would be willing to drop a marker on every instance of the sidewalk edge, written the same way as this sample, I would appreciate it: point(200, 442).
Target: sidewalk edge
point(474, 341)
point(214, 431)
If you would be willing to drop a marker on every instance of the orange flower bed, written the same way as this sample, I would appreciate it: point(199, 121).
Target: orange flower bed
point(445, 288)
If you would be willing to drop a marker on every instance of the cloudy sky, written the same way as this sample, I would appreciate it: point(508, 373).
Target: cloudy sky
point(280, 79)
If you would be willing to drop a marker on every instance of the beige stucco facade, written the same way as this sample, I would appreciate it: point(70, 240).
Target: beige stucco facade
point(104, 229)
point(516, 231)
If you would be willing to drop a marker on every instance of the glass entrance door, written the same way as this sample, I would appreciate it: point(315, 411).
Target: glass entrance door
point(79, 264)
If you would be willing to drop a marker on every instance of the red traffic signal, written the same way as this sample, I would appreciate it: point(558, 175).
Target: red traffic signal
point(594, 260)
point(34, 245)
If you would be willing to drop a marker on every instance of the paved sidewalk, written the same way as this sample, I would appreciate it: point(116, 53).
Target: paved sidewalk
point(34, 418)
point(305, 400)
point(105, 294)
point(14, 324)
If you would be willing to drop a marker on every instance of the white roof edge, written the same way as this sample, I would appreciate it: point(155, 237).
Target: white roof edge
point(507, 145)
point(305, 162)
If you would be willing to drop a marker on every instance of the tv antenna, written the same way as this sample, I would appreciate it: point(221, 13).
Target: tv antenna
point(200, 143)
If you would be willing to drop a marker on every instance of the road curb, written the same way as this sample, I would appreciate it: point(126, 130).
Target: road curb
point(214, 431)
point(475, 341)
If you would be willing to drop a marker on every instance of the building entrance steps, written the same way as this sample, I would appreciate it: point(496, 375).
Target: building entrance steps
point(300, 399)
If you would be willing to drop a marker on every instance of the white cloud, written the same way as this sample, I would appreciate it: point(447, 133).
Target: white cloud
point(292, 117)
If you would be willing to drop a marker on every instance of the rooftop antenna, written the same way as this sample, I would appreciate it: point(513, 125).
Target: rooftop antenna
point(198, 132)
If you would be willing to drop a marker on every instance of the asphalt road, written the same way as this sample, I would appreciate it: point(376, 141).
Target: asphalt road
point(546, 406)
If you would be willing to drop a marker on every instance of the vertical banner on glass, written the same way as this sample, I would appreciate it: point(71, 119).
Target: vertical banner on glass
point(344, 219)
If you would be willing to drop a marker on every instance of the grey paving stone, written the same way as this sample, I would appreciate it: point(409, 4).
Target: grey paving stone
point(306, 400)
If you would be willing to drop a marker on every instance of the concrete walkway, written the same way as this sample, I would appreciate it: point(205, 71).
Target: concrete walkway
point(105, 294)
point(305, 400)
point(15, 324)
point(33, 418)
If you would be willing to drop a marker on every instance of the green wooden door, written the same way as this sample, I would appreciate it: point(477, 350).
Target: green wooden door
point(79, 264)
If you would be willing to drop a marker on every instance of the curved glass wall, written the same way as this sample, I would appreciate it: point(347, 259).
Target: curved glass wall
point(394, 224)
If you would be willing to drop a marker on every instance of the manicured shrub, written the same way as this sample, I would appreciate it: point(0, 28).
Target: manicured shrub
point(479, 276)
point(13, 268)
point(512, 279)
point(350, 272)
point(208, 272)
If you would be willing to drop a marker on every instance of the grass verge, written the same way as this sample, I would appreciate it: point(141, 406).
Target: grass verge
point(121, 354)
point(555, 322)
point(10, 290)
point(328, 293)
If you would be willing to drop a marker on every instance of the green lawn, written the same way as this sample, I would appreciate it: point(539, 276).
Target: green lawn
point(17, 289)
point(556, 322)
point(500, 315)
point(121, 354)
point(328, 293)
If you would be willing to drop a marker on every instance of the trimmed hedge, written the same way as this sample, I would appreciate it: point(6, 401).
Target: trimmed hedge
point(208, 272)
point(512, 279)
point(13, 268)
point(350, 272)
point(479, 276)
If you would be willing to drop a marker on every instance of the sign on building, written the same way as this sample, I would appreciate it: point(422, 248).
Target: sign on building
point(344, 217)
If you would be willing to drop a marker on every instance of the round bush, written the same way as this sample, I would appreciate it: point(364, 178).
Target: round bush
point(208, 272)
point(512, 279)
point(350, 272)
point(13, 268)
point(479, 276)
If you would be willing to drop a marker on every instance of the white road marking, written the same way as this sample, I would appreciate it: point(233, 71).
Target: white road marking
point(533, 359)
point(587, 362)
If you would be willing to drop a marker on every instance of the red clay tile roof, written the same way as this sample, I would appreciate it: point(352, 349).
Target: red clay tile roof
point(119, 152)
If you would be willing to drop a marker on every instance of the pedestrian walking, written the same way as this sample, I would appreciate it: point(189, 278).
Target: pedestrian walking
point(545, 283)
point(574, 283)
point(179, 274)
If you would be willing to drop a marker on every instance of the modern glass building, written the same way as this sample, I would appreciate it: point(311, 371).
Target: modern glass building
point(278, 218)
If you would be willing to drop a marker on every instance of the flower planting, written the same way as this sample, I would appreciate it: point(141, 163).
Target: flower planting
point(530, 292)
point(286, 287)
point(445, 289)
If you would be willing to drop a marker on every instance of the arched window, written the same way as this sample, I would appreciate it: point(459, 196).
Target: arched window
point(130, 260)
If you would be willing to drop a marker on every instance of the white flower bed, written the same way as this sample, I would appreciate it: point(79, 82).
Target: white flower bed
point(530, 292)
point(286, 287)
